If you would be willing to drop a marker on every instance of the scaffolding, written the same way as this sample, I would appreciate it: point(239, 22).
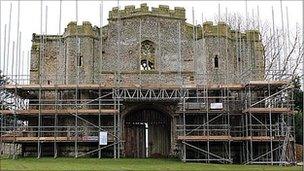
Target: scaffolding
point(253, 125)
point(269, 123)
point(214, 120)
point(213, 124)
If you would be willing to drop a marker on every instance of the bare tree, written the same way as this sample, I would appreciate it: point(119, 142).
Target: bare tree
point(282, 51)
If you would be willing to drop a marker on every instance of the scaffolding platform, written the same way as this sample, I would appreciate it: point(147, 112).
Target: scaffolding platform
point(204, 138)
point(230, 138)
point(265, 84)
point(60, 112)
point(50, 87)
point(268, 110)
point(48, 139)
point(266, 138)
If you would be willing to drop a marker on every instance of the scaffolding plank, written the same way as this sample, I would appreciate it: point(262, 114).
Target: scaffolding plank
point(204, 138)
point(256, 138)
point(226, 138)
point(61, 112)
point(264, 83)
point(268, 110)
point(125, 86)
point(266, 138)
point(47, 139)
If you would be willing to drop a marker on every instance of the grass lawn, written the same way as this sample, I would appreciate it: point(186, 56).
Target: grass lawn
point(125, 164)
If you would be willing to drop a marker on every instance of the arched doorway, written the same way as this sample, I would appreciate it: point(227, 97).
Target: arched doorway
point(147, 133)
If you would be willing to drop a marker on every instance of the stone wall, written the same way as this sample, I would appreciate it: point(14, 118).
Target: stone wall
point(45, 56)
point(76, 55)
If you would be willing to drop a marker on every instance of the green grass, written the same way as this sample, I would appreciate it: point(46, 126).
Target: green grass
point(126, 164)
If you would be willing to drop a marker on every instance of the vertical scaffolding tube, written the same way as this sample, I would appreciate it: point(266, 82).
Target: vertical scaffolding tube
point(288, 31)
point(56, 122)
point(1, 40)
point(56, 86)
point(119, 128)
point(250, 127)
point(215, 75)
point(100, 69)
point(13, 61)
point(28, 70)
point(99, 118)
point(14, 109)
point(39, 115)
point(181, 82)
point(2, 129)
point(180, 54)
point(226, 95)
point(40, 82)
point(4, 51)
point(278, 63)
point(139, 50)
point(270, 128)
point(303, 75)
point(194, 45)
point(17, 43)
point(120, 79)
point(159, 62)
point(115, 122)
point(9, 38)
point(76, 98)
point(77, 84)
point(284, 37)
point(20, 68)
point(184, 130)
point(246, 127)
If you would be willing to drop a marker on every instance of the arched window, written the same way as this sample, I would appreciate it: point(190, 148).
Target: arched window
point(147, 55)
point(216, 62)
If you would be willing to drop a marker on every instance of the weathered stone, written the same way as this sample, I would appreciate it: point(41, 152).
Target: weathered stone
point(76, 57)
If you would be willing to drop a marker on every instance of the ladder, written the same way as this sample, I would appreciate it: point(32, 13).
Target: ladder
point(285, 144)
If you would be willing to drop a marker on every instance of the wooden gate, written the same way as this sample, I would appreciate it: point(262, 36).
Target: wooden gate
point(150, 125)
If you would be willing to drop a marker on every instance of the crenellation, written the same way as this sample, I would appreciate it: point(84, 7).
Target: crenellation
point(161, 11)
point(85, 29)
point(222, 29)
point(253, 35)
point(144, 8)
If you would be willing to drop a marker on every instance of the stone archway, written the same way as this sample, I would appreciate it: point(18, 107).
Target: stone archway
point(147, 133)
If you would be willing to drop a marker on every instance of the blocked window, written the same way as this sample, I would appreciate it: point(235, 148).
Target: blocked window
point(147, 55)
point(216, 62)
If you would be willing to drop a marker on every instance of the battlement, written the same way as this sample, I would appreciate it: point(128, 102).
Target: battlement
point(85, 29)
point(161, 11)
point(222, 29)
point(48, 37)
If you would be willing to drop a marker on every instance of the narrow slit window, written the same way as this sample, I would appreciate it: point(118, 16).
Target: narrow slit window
point(216, 62)
point(79, 61)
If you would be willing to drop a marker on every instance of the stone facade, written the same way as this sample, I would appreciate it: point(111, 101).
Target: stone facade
point(174, 51)
point(154, 48)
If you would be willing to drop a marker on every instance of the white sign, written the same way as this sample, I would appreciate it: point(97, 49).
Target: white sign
point(216, 106)
point(103, 138)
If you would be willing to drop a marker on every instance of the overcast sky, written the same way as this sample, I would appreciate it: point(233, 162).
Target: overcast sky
point(89, 11)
